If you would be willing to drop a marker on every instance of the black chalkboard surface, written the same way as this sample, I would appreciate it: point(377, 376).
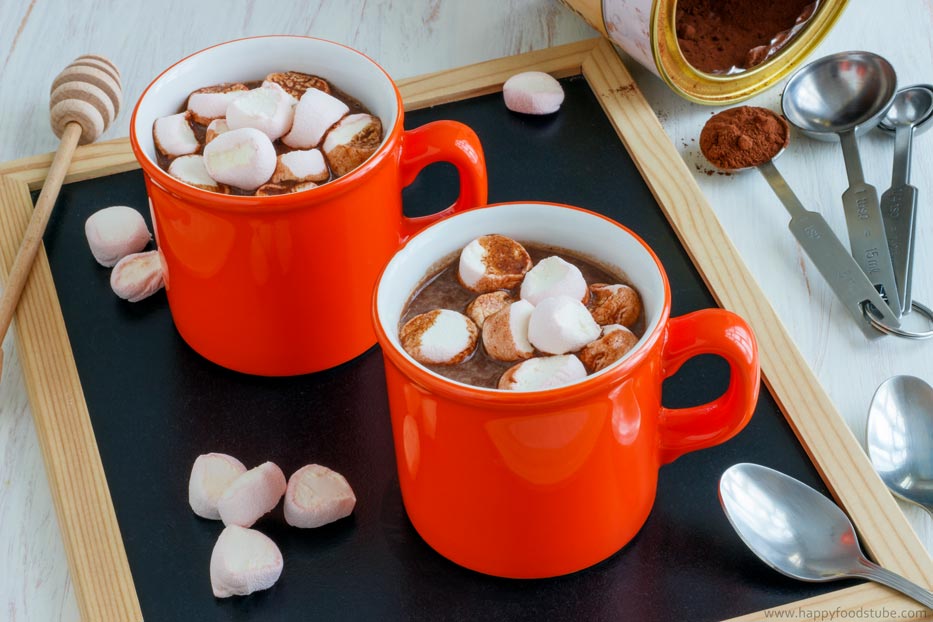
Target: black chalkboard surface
point(155, 405)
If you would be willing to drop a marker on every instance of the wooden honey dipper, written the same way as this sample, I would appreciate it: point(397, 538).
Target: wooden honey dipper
point(85, 99)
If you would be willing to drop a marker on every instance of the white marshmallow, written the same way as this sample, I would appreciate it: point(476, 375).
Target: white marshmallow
point(215, 129)
point(267, 109)
point(244, 158)
point(615, 342)
point(296, 83)
point(551, 277)
point(115, 232)
point(317, 496)
point(487, 304)
point(315, 113)
point(269, 84)
point(533, 92)
point(543, 372)
point(244, 561)
point(251, 495)
point(350, 143)
point(173, 135)
point(210, 103)
point(505, 333)
point(210, 477)
point(301, 166)
point(137, 276)
point(492, 262)
point(561, 324)
point(191, 170)
point(439, 337)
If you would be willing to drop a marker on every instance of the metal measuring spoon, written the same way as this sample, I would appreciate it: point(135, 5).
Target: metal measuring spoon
point(911, 107)
point(842, 95)
point(899, 438)
point(799, 532)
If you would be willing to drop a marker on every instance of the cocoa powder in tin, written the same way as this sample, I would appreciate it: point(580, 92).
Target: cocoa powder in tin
point(743, 137)
point(716, 36)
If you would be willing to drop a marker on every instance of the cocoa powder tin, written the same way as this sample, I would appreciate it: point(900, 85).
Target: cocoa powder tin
point(714, 51)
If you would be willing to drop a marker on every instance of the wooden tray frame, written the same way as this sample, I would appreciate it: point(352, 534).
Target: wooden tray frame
point(99, 567)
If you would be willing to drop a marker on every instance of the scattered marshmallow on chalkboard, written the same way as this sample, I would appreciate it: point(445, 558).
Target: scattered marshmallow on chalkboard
point(492, 262)
point(553, 276)
point(439, 337)
point(173, 135)
point(505, 333)
point(243, 158)
point(349, 143)
point(191, 170)
point(210, 103)
point(614, 304)
point(137, 276)
point(115, 232)
point(533, 92)
point(615, 342)
point(543, 372)
point(210, 476)
point(267, 109)
point(485, 305)
point(317, 496)
point(244, 561)
point(561, 324)
point(315, 113)
point(215, 129)
point(301, 166)
point(252, 495)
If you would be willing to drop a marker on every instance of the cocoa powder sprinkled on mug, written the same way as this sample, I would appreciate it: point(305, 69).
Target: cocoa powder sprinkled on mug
point(743, 137)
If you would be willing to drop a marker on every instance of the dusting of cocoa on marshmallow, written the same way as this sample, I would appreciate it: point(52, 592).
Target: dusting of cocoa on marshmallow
point(614, 304)
point(743, 137)
point(296, 83)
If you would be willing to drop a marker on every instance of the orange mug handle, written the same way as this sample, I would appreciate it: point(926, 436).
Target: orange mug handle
point(444, 141)
point(709, 331)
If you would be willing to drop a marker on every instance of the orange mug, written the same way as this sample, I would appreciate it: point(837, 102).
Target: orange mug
point(543, 483)
point(281, 285)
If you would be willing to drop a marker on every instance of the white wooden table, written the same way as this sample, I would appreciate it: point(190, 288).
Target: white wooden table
point(410, 37)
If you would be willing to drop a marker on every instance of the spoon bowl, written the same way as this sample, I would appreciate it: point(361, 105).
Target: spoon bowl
point(839, 93)
point(912, 105)
point(899, 438)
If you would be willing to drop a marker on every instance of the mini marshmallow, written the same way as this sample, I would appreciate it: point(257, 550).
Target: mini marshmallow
point(315, 113)
point(505, 333)
point(244, 158)
point(244, 561)
point(614, 304)
point(352, 141)
point(267, 109)
point(485, 305)
point(296, 83)
point(137, 276)
point(210, 477)
point(533, 92)
point(252, 495)
point(115, 232)
point(301, 166)
point(317, 496)
point(304, 186)
point(543, 372)
point(551, 277)
point(173, 135)
point(191, 170)
point(439, 337)
point(270, 190)
point(210, 103)
point(560, 325)
point(492, 262)
point(215, 129)
point(615, 342)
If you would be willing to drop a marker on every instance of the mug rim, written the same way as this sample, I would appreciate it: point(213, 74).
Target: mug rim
point(500, 398)
point(274, 203)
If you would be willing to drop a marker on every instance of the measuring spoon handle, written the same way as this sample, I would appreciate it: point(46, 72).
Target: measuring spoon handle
point(898, 210)
point(895, 581)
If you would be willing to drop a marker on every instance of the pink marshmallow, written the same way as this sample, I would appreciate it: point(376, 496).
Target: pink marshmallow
point(533, 92)
point(210, 477)
point(244, 158)
point(244, 561)
point(267, 109)
point(173, 135)
point(137, 276)
point(317, 496)
point(315, 113)
point(115, 232)
point(252, 495)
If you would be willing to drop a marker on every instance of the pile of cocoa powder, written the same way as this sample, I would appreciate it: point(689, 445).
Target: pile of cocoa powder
point(743, 137)
point(716, 36)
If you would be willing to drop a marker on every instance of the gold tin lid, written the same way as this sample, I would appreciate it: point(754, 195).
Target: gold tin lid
point(718, 89)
